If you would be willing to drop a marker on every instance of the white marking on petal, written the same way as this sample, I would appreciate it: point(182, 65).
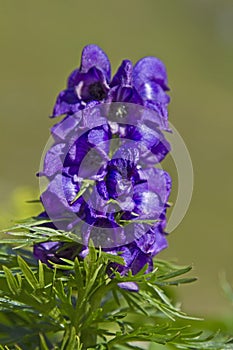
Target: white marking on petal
point(78, 89)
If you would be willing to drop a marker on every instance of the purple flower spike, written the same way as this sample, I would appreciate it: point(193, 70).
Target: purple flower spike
point(103, 184)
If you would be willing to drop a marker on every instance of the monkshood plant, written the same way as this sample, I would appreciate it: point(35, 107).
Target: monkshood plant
point(83, 274)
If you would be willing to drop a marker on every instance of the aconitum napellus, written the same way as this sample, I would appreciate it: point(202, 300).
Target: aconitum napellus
point(104, 182)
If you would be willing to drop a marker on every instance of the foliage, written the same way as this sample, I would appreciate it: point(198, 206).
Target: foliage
point(76, 305)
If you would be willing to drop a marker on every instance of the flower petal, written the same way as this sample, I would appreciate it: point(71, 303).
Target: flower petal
point(148, 204)
point(56, 199)
point(61, 130)
point(94, 56)
point(53, 162)
point(123, 75)
point(151, 143)
point(155, 98)
point(152, 242)
point(161, 183)
point(73, 78)
point(67, 102)
point(150, 69)
point(47, 251)
point(131, 286)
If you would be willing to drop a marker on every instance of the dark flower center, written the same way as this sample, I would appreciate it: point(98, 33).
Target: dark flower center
point(96, 91)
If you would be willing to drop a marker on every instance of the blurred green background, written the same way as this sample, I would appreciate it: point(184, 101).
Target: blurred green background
point(41, 42)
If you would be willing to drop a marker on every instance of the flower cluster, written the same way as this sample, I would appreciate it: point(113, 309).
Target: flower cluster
point(103, 183)
point(143, 84)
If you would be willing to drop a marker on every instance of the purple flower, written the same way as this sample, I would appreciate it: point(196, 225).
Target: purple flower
point(143, 84)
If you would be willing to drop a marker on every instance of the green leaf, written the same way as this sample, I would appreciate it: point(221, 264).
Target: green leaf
point(63, 305)
point(78, 275)
point(43, 344)
point(113, 258)
point(28, 273)
point(11, 304)
point(11, 281)
point(71, 341)
point(41, 275)
point(85, 185)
